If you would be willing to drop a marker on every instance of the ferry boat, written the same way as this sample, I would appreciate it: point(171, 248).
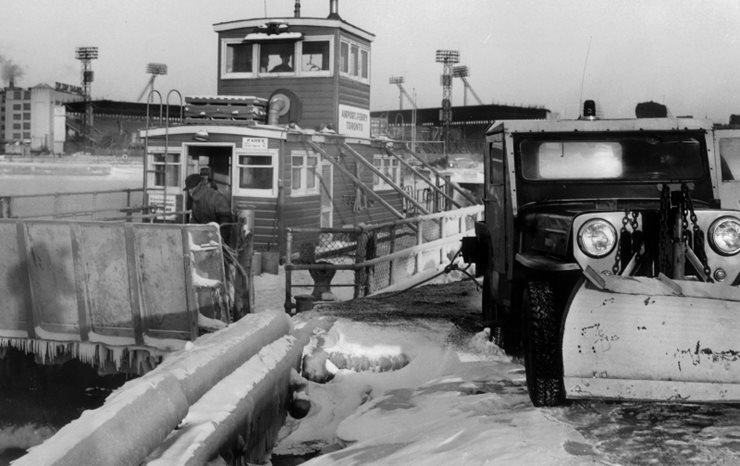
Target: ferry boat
point(287, 138)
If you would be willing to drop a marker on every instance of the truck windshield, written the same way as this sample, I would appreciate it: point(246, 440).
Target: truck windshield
point(634, 158)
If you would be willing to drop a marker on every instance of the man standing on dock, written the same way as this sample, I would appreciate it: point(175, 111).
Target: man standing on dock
point(208, 205)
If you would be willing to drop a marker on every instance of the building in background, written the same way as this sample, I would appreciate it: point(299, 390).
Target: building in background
point(115, 126)
point(467, 127)
point(32, 120)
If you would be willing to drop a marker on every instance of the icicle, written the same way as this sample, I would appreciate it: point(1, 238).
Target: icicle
point(97, 355)
point(117, 355)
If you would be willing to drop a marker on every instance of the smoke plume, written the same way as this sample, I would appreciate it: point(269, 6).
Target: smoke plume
point(9, 71)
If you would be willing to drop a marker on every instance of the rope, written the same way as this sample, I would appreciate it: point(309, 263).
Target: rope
point(231, 255)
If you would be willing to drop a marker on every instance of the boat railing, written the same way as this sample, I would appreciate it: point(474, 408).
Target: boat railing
point(363, 260)
point(124, 204)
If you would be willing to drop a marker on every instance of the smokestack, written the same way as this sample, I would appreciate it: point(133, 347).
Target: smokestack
point(334, 9)
point(297, 9)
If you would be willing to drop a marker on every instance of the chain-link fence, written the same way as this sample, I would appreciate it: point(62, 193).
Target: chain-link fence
point(353, 262)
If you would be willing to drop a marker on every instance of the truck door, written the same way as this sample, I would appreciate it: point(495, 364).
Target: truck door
point(495, 211)
point(727, 152)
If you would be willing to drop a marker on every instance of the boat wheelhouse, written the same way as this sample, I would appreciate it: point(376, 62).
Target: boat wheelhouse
point(287, 138)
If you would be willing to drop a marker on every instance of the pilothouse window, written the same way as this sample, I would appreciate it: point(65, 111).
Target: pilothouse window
point(277, 57)
point(354, 60)
point(239, 58)
point(315, 56)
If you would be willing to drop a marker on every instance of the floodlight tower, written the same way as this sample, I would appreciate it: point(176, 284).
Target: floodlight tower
point(398, 80)
point(86, 55)
point(462, 72)
point(154, 69)
point(447, 58)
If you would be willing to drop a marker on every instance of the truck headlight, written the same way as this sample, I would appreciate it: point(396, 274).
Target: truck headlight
point(724, 236)
point(597, 238)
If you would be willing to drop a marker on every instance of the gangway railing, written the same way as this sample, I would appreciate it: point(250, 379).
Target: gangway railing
point(82, 205)
point(439, 175)
point(359, 261)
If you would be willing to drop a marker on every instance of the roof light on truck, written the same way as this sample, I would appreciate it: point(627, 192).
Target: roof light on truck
point(597, 238)
point(589, 109)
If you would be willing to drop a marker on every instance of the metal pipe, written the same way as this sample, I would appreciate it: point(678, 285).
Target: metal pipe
point(334, 9)
point(166, 146)
point(275, 106)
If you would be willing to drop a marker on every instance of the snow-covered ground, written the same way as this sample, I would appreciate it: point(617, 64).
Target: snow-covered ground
point(461, 401)
point(447, 395)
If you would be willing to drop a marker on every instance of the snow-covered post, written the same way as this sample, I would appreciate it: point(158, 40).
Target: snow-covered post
point(288, 305)
point(442, 235)
point(244, 286)
point(360, 254)
point(419, 242)
point(392, 249)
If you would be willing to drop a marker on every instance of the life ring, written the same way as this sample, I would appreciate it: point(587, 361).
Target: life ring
point(124, 157)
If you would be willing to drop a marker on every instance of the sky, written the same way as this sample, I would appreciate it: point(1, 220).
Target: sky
point(552, 54)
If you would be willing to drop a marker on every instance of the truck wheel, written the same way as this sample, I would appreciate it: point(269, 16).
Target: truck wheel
point(542, 349)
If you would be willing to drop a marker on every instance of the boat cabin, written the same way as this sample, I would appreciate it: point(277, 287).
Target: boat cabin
point(287, 138)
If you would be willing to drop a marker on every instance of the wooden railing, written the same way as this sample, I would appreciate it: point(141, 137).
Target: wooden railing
point(373, 258)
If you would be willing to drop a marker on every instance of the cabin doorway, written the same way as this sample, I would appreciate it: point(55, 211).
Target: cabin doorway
point(213, 161)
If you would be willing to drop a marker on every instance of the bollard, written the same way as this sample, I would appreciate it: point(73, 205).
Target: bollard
point(322, 281)
point(303, 302)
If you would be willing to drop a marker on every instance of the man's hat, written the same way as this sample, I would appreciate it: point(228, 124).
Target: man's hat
point(192, 181)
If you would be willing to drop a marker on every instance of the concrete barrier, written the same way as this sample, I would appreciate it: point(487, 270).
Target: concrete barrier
point(139, 416)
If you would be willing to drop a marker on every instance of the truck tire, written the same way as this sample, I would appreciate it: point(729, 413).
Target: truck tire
point(543, 359)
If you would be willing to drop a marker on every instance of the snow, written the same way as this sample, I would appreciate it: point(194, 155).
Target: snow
point(460, 399)
point(450, 396)
point(454, 403)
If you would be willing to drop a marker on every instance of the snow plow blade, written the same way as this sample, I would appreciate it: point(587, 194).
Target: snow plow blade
point(639, 338)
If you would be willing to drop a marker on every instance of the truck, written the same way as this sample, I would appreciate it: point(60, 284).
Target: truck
point(609, 252)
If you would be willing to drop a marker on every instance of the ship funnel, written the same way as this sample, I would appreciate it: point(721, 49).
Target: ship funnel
point(334, 9)
point(297, 9)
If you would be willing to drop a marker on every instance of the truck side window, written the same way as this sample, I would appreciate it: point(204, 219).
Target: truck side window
point(496, 159)
point(729, 153)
